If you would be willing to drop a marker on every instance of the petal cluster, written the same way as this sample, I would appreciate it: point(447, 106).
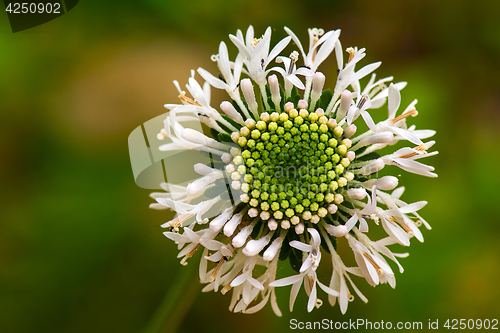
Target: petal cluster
point(244, 218)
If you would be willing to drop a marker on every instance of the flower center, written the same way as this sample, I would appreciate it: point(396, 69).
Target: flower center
point(290, 166)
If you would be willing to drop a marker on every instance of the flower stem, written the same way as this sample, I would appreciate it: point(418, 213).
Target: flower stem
point(176, 303)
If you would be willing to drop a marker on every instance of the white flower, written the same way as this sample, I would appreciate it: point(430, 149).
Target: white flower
point(406, 157)
point(291, 71)
point(338, 282)
point(321, 44)
point(272, 167)
point(356, 215)
point(256, 53)
point(374, 269)
point(347, 76)
point(307, 273)
point(186, 211)
point(397, 125)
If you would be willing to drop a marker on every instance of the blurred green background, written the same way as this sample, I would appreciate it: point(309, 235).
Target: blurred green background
point(81, 252)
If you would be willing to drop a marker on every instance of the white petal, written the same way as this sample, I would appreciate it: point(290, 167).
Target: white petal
point(296, 41)
point(396, 232)
point(193, 236)
point(294, 292)
point(295, 81)
point(365, 71)
point(240, 279)
point(412, 207)
point(327, 290)
point(286, 281)
point(256, 283)
point(277, 49)
point(394, 100)
point(312, 299)
point(212, 80)
point(274, 304)
point(343, 298)
point(241, 47)
point(324, 52)
point(178, 238)
point(259, 306)
point(301, 246)
point(368, 120)
point(315, 236)
point(211, 244)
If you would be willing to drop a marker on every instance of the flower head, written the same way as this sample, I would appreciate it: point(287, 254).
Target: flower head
point(287, 174)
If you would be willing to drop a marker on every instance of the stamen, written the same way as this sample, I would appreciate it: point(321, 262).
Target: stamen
point(228, 286)
point(189, 255)
point(351, 52)
point(311, 282)
point(404, 226)
point(256, 41)
point(419, 149)
point(162, 135)
point(226, 289)
point(374, 264)
point(193, 251)
point(372, 217)
point(316, 34)
point(377, 89)
point(186, 99)
point(314, 41)
point(318, 303)
point(177, 224)
point(294, 57)
point(412, 112)
point(362, 101)
point(216, 269)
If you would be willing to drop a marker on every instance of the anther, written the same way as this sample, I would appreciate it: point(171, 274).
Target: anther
point(186, 99)
point(294, 57)
point(162, 135)
point(255, 41)
point(351, 52)
point(177, 224)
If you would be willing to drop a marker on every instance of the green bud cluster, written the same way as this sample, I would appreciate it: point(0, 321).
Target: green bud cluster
point(291, 165)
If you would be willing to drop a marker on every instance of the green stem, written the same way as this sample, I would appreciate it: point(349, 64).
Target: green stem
point(176, 303)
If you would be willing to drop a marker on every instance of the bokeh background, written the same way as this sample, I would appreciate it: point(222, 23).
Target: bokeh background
point(81, 252)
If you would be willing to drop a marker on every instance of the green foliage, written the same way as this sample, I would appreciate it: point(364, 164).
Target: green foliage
point(215, 134)
point(325, 99)
point(223, 137)
point(227, 130)
point(231, 121)
point(294, 96)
